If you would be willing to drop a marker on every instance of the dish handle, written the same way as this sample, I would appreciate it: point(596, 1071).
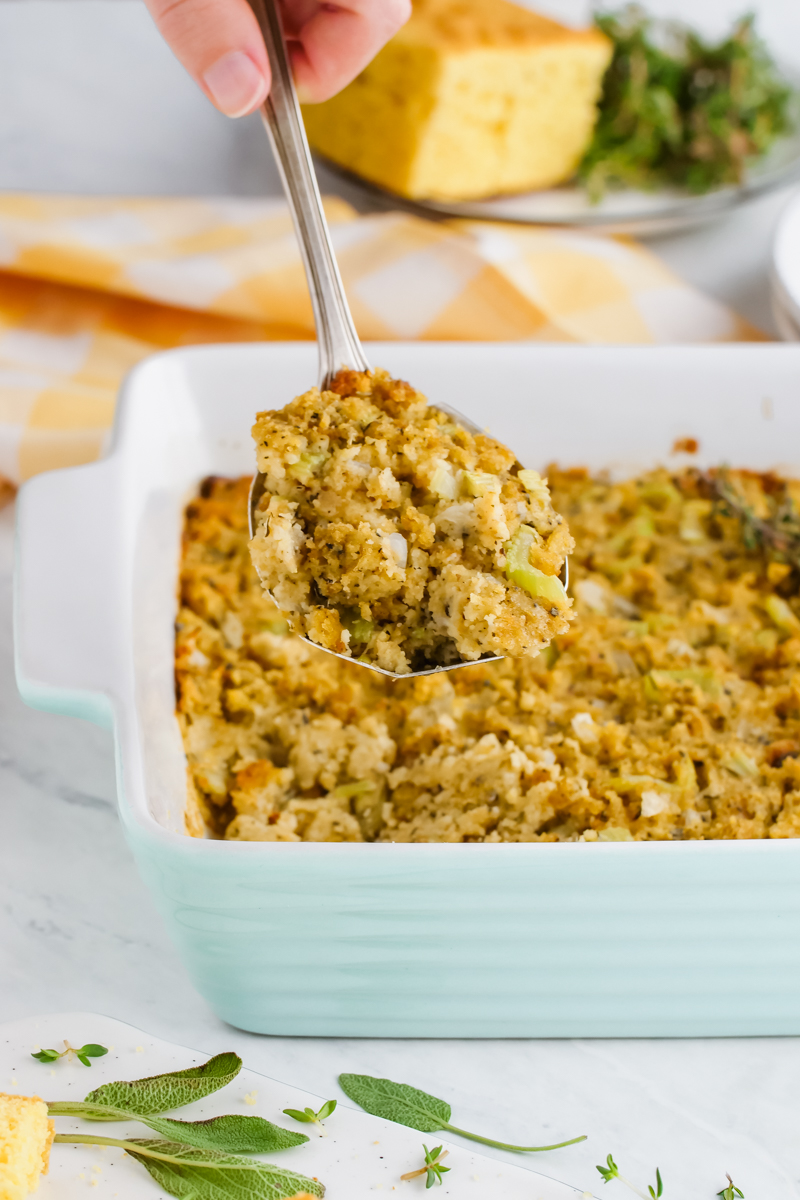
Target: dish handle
point(68, 592)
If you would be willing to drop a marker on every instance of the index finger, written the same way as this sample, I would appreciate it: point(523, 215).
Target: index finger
point(331, 43)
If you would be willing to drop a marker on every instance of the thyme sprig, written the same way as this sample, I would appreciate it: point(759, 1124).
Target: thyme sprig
point(677, 110)
point(780, 534)
point(731, 1192)
point(309, 1116)
point(611, 1171)
point(433, 1168)
point(82, 1053)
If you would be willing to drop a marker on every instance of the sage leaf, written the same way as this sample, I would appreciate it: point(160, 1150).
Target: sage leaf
point(233, 1134)
point(409, 1106)
point(160, 1093)
point(397, 1102)
point(194, 1174)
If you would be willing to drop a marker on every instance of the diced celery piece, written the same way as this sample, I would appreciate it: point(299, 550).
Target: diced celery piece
point(660, 493)
point(308, 464)
point(741, 764)
point(279, 627)
point(478, 483)
point(360, 629)
point(706, 680)
point(535, 485)
point(346, 790)
point(519, 570)
point(782, 615)
point(615, 833)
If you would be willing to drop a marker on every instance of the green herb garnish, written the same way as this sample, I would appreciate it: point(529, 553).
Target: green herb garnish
point(197, 1160)
point(409, 1106)
point(194, 1174)
point(309, 1116)
point(780, 534)
point(731, 1192)
point(611, 1171)
point(145, 1100)
point(82, 1053)
point(433, 1168)
point(677, 110)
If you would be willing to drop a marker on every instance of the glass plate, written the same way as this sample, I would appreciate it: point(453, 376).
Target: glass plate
point(622, 211)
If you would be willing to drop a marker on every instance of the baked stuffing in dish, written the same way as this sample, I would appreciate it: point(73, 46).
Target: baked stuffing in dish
point(669, 709)
point(389, 533)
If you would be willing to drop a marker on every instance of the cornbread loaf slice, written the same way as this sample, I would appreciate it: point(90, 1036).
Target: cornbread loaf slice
point(471, 98)
point(26, 1135)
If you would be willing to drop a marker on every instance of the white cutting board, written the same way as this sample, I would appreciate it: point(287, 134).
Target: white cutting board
point(361, 1155)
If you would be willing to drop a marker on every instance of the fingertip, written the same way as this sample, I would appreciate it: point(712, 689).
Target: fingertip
point(235, 84)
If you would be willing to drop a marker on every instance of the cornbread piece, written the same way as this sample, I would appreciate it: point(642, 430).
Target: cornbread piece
point(670, 709)
point(26, 1135)
point(471, 98)
point(389, 533)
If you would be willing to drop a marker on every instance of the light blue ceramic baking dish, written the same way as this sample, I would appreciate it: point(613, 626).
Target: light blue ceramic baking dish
point(597, 939)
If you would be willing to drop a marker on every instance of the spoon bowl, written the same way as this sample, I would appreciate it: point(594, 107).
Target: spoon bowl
point(337, 340)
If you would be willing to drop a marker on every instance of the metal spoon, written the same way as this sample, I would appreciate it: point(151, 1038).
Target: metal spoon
point(337, 339)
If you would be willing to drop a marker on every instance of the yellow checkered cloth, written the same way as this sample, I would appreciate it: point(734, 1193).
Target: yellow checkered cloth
point(89, 286)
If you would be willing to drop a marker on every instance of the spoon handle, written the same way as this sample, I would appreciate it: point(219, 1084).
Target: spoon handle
point(336, 334)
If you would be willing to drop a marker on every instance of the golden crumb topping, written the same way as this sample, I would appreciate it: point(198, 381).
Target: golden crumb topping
point(390, 533)
point(669, 709)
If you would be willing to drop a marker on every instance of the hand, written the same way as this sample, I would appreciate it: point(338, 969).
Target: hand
point(220, 45)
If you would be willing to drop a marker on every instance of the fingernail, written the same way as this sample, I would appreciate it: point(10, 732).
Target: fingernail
point(235, 83)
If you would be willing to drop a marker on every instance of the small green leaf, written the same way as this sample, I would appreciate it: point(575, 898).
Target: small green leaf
point(307, 1116)
point(610, 1171)
point(46, 1055)
point(83, 1058)
point(161, 1093)
point(92, 1050)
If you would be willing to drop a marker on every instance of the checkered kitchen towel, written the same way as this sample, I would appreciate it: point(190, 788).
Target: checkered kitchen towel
point(89, 286)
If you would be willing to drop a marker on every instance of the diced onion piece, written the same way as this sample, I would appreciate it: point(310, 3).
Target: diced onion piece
point(399, 548)
point(519, 570)
point(443, 482)
point(691, 528)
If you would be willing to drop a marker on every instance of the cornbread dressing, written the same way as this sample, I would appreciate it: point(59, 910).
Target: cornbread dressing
point(389, 533)
point(26, 1135)
point(669, 709)
point(469, 99)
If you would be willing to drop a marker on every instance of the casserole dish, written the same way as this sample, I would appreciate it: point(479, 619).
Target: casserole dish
point(502, 940)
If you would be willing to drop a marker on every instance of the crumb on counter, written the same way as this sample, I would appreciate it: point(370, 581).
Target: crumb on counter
point(669, 709)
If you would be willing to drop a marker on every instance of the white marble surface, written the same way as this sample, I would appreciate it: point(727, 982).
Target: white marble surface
point(90, 101)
